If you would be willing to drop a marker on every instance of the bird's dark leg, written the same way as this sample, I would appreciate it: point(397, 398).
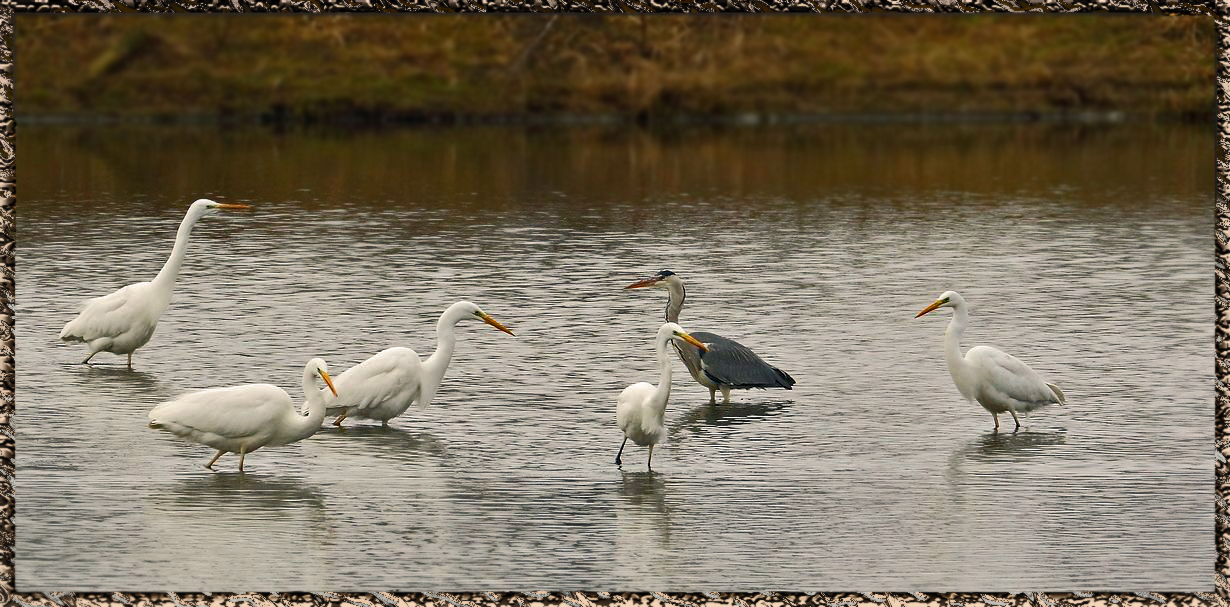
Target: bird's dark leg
point(618, 461)
point(995, 416)
point(87, 359)
point(1014, 418)
point(130, 361)
point(384, 423)
point(338, 422)
point(649, 464)
point(241, 454)
point(210, 465)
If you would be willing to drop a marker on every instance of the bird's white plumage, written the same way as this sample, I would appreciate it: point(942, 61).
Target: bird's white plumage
point(125, 320)
point(385, 385)
point(242, 419)
point(640, 410)
point(996, 380)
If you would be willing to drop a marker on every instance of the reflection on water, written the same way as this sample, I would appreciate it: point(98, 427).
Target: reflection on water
point(815, 243)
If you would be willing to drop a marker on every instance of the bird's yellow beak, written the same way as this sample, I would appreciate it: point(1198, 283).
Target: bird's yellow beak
point(693, 341)
point(328, 381)
point(648, 282)
point(495, 323)
point(233, 206)
point(935, 304)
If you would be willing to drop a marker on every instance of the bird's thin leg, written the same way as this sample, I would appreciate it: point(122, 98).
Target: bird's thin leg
point(621, 452)
point(1014, 418)
point(725, 395)
point(713, 396)
point(384, 423)
point(87, 359)
point(241, 454)
point(995, 416)
point(210, 465)
point(649, 464)
point(338, 422)
point(130, 361)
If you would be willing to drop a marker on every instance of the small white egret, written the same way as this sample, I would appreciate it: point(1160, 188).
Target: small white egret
point(243, 419)
point(727, 364)
point(383, 386)
point(998, 381)
point(642, 406)
point(125, 320)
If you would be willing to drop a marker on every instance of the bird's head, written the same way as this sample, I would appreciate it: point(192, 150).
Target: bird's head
point(946, 299)
point(662, 279)
point(321, 369)
point(483, 316)
point(673, 331)
point(206, 206)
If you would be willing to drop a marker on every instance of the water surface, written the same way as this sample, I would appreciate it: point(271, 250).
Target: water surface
point(1084, 251)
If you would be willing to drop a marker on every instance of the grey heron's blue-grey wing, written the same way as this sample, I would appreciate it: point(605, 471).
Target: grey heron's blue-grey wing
point(730, 363)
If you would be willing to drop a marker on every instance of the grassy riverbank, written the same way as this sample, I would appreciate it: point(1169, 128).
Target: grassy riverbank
point(435, 66)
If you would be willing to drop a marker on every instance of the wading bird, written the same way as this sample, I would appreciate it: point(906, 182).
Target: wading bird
point(383, 386)
point(727, 364)
point(642, 406)
point(125, 320)
point(998, 381)
point(243, 419)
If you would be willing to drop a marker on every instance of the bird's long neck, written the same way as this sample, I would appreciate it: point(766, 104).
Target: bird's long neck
point(436, 364)
point(674, 301)
point(170, 270)
point(952, 344)
point(663, 392)
point(315, 401)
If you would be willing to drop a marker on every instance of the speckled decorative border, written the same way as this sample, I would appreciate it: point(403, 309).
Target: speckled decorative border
point(1220, 587)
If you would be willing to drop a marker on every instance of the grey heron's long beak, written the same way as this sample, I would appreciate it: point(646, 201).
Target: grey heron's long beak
point(232, 206)
point(648, 282)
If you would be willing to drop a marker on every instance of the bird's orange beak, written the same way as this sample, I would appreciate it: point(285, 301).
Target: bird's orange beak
point(328, 381)
point(234, 206)
point(495, 323)
point(693, 341)
point(648, 282)
point(935, 304)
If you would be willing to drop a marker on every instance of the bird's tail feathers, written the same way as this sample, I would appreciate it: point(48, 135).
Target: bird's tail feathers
point(784, 378)
point(1058, 393)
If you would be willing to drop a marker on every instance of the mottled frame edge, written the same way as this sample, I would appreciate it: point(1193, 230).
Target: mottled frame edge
point(8, 200)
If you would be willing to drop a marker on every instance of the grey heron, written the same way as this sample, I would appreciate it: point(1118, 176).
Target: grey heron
point(997, 380)
point(727, 364)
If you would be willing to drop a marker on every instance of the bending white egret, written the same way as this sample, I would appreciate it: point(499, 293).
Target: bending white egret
point(125, 320)
point(245, 418)
point(383, 386)
point(998, 381)
point(642, 406)
point(727, 364)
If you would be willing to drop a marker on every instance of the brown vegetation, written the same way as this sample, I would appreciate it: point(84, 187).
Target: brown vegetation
point(436, 65)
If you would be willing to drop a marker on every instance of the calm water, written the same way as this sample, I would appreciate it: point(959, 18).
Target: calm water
point(1084, 251)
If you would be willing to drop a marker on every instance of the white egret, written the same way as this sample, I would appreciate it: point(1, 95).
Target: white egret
point(243, 419)
point(642, 406)
point(383, 386)
point(727, 364)
point(125, 320)
point(998, 381)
